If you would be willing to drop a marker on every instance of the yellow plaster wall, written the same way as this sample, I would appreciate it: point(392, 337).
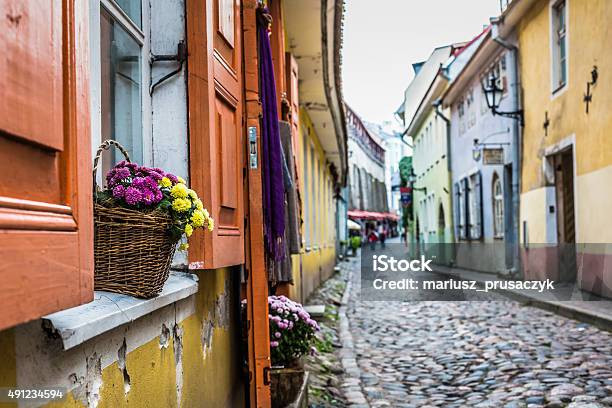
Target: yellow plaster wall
point(533, 210)
point(211, 375)
point(318, 263)
point(593, 217)
point(436, 179)
point(588, 31)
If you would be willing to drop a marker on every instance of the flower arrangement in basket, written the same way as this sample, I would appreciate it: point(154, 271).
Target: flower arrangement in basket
point(139, 218)
point(292, 331)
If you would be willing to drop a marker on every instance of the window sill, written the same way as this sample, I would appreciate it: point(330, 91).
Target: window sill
point(559, 90)
point(110, 310)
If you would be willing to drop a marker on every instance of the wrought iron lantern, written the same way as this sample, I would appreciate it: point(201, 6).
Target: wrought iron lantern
point(494, 94)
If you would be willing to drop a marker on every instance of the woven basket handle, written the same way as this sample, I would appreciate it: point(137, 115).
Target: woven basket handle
point(106, 146)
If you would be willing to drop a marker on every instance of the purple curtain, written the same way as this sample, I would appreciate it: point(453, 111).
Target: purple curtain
point(271, 165)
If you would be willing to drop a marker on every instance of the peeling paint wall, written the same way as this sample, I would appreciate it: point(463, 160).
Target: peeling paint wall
point(159, 360)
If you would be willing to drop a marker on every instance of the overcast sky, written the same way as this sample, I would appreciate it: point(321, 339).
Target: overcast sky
point(383, 38)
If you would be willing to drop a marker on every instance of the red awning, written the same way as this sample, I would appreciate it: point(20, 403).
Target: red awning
point(392, 216)
point(371, 215)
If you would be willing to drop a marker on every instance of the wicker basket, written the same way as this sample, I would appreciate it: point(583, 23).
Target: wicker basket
point(133, 249)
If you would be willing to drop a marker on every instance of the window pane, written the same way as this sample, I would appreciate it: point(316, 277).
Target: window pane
point(121, 90)
point(562, 59)
point(133, 9)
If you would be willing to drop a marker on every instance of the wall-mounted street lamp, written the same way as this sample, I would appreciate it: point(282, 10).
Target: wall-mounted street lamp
point(493, 95)
point(588, 97)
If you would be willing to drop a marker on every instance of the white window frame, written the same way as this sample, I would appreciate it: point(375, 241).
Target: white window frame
point(142, 37)
point(498, 207)
point(555, 66)
point(474, 197)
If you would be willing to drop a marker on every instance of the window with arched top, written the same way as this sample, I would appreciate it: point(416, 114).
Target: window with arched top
point(498, 207)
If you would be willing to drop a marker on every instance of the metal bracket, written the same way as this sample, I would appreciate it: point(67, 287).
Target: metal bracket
point(588, 97)
point(180, 57)
point(253, 147)
point(266, 375)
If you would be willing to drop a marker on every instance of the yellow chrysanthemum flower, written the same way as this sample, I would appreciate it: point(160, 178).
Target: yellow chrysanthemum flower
point(179, 191)
point(181, 180)
point(192, 194)
point(205, 212)
point(199, 206)
point(183, 247)
point(181, 205)
point(198, 218)
point(211, 224)
point(188, 230)
point(165, 182)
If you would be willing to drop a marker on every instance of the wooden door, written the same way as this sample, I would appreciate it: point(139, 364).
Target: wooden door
point(216, 130)
point(46, 231)
point(566, 229)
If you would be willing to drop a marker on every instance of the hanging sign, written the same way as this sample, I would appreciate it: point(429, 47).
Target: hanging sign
point(405, 196)
point(493, 156)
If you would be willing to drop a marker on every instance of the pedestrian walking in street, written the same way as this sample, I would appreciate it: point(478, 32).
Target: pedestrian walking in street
point(372, 239)
point(382, 237)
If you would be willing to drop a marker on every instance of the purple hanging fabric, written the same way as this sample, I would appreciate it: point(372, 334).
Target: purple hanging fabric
point(271, 166)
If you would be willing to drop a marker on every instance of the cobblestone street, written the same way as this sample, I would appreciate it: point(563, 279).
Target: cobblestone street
point(486, 354)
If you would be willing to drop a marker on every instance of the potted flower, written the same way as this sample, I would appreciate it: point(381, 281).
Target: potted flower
point(292, 333)
point(139, 218)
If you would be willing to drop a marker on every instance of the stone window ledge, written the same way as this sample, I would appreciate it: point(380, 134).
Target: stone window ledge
point(109, 310)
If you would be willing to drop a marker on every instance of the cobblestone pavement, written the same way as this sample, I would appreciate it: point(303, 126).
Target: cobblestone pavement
point(463, 354)
point(326, 372)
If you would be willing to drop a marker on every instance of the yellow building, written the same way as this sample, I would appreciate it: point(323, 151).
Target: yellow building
point(567, 151)
point(316, 262)
point(321, 143)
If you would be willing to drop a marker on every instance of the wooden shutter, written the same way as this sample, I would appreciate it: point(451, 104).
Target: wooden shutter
point(46, 229)
point(457, 209)
point(294, 103)
point(465, 189)
point(277, 46)
point(216, 131)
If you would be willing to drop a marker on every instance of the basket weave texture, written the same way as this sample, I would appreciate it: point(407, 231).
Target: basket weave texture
point(133, 249)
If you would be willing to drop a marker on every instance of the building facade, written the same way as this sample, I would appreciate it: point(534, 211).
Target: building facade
point(483, 188)
point(427, 126)
point(395, 148)
point(368, 190)
point(566, 156)
point(176, 83)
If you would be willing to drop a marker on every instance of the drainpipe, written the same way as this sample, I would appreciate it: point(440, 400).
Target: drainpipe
point(516, 144)
point(436, 104)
